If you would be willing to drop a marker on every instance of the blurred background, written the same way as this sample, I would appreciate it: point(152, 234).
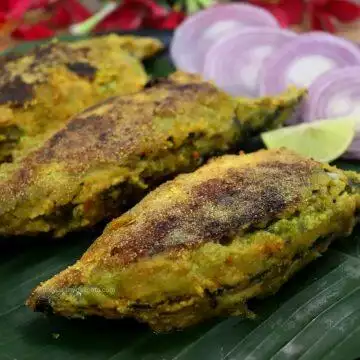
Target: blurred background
point(27, 20)
point(92, 4)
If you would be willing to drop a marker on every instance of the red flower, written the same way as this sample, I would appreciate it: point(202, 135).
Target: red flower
point(128, 15)
point(288, 12)
point(66, 12)
point(169, 22)
point(62, 14)
point(32, 32)
point(125, 17)
point(325, 13)
point(133, 14)
point(15, 9)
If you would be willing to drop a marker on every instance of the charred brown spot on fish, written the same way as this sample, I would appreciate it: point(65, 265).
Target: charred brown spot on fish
point(43, 305)
point(16, 92)
point(83, 69)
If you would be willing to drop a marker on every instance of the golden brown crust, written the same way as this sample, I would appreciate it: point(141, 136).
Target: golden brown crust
point(19, 74)
point(42, 89)
point(205, 243)
point(141, 47)
point(229, 195)
point(107, 157)
point(121, 132)
point(120, 128)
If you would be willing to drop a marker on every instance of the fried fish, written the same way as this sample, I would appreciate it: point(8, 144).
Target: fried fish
point(40, 90)
point(105, 159)
point(205, 243)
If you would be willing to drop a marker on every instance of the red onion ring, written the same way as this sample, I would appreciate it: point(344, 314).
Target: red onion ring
point(304, 59)
point(199, 32)
point(234, 62)
point(336, 94)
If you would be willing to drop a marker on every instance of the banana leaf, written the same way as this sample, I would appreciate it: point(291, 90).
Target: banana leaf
point(316, 315)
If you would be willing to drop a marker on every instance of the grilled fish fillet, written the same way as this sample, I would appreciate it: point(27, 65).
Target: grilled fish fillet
point(205, 243)
point(40, 90)
point(107, 158)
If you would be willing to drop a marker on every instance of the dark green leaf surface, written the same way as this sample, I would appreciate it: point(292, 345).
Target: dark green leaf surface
point(315, 316)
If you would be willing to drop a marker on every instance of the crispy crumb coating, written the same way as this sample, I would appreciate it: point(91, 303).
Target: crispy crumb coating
point(205, 243)
point(105, 159)
point(40, 90)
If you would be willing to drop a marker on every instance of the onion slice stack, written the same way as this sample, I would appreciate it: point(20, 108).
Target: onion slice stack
point(194, 37)
point(333, 95)
point(303, 60)
point(234, 62)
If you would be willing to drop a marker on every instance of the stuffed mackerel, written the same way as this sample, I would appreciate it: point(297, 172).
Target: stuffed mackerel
point(41, 89)
point(104, 160)
point(205, 243)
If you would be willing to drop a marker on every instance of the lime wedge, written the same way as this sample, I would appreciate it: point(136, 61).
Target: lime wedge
point(323, 140)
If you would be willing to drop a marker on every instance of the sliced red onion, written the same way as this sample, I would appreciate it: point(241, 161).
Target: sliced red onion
point(304, 59)
point(336, 94)
point(234, 62)
point(199, 32)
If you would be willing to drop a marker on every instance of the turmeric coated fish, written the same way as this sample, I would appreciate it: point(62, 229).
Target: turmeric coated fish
point(40, 90)
point(105, 159)
point(205, 243)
